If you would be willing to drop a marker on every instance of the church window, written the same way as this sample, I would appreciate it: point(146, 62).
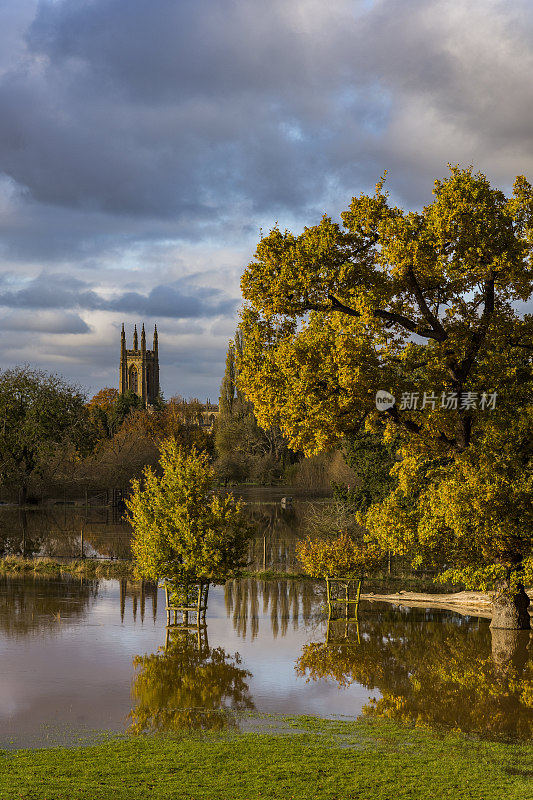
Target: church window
point(134, 383)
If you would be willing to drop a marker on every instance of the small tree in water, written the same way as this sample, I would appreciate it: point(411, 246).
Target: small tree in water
point(339, 555)
point(182, 533)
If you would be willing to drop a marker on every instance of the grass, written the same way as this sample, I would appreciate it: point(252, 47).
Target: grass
point(106, 569)
point(363, 760)
point(276, 575)
point(81, 568)
point(96, 568)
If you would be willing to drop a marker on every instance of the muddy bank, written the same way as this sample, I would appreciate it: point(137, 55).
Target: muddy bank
point(478, 604)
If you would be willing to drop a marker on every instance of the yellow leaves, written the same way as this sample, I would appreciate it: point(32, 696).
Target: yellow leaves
point(181, 532)
point(105, 399)
point(340, 556)
point(473, 511)
point(313, 367)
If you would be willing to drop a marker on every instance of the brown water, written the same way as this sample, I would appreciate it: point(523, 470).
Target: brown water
point(80, 656)
point(63, 532)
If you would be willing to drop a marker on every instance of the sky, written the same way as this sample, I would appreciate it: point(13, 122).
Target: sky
point(144, 146)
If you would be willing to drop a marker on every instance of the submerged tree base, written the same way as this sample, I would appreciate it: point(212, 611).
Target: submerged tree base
point(511, 612)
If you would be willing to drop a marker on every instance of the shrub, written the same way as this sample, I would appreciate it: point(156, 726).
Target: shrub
point(182, 532)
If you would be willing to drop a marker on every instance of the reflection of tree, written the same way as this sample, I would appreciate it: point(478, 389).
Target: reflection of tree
point(138, 591)
point(188, 685)
point(32, 605)
point(286, 600)
point(278, 530)
point(432, 671)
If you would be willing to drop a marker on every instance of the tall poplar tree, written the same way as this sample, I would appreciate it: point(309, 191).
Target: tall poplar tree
point(245, 450)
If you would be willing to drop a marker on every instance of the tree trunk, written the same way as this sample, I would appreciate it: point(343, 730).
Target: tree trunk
point(24, 526)
point(510, 650)
point(510, 611)
point(23, 495)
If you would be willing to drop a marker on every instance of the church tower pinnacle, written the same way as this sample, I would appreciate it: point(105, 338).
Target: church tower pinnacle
point(139, 369)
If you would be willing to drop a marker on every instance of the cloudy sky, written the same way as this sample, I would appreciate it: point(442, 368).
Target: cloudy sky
point(145, 143)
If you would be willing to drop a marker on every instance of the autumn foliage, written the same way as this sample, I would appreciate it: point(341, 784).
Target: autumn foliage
point(182, 532)
point(424, 305)
point(338, 556)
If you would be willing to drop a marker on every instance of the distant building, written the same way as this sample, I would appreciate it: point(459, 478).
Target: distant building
point(208, 415)
point(139, 368)
point(139, 371)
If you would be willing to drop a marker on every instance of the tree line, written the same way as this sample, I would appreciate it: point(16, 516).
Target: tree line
point(55, 443)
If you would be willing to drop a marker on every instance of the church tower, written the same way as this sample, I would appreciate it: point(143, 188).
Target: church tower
point(139, 368)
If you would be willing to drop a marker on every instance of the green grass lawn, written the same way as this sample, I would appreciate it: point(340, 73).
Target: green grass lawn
point(368, 760)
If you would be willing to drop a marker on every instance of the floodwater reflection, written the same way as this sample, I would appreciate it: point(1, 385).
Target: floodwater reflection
point(286, 602)
point(55, 531)
point(78, 654)
point(188, 685)
point(39, 605)
point(435, 669)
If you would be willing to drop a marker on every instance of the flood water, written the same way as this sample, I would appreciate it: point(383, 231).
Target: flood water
point(60, 531)
point(82, 655)
point(79, 656)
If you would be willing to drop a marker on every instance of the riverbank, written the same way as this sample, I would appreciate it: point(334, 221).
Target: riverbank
point(475, 603)
point(319, 760)
point(120, 568)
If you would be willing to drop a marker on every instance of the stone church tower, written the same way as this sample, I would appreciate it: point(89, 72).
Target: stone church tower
point(139, 368)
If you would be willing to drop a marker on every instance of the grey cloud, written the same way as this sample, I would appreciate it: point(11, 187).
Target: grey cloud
point(167, 301)
point(180, 113)
point(57, 291)
point(195, 49)
point(51, 291)
point(183, 111)
point(129, 124)
point(44, 322)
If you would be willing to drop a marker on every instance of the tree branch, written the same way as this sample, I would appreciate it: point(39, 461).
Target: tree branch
point(436, 325)
point(518, 343)
point(478, 335)
point(389, 316)
point(413, 427)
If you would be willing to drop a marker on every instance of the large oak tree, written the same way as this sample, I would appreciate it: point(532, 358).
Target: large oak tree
point(426, 305)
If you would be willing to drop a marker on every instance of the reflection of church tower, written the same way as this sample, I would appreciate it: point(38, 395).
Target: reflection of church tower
point(139, 369)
